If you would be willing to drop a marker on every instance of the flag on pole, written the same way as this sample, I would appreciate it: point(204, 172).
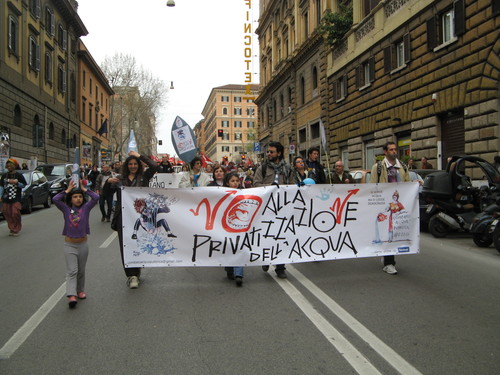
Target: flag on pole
point(104, 128)
point(205, 160)
point(323, 135)
point(132, 144)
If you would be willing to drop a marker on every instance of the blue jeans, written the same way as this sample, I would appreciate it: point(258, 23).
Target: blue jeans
point(238, 271)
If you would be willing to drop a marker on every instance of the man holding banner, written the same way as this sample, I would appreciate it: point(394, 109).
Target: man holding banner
point(274, 171)
point(390, 169)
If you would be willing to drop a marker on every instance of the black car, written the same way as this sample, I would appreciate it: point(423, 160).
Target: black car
point(36, 192)
point(58, 176)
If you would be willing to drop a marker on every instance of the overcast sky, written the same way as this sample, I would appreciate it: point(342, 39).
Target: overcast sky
point(198, 44)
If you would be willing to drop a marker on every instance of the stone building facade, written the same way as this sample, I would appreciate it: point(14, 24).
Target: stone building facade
point(38, 78)
point(422, 73)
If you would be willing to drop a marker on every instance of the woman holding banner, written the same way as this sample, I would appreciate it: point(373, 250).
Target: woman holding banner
point(132, 174)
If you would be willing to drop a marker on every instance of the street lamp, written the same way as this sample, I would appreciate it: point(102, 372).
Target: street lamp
point(171, 3)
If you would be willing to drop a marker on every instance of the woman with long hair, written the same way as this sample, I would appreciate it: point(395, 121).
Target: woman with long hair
point(133, 174)
point(218, 177)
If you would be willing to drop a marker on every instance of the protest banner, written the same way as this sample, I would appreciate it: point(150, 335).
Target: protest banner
point(184, 140)
point(213, 226)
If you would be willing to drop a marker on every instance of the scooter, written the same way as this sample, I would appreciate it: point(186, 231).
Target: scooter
point(484, 225)
point(453, 200)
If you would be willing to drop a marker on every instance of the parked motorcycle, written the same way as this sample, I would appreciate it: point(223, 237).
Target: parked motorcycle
point(484, 225)
point(453, 200)
point(496, 236)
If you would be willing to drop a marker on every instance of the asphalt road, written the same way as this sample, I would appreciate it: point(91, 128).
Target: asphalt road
point(439, 315)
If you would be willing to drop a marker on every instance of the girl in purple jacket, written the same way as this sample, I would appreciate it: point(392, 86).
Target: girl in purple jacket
point(76, 212)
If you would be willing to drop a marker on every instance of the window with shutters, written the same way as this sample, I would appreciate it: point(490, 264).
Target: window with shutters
point(237, 111)
point(397, 55)
point(365, 73)
point(61, 79)
point(35, 8)
point(62, 38)
point(50, 22)
point(48, 67)
point(34, 54)
point(13, 41)
point(225, 124)
point(445, 27)
point(340, 88)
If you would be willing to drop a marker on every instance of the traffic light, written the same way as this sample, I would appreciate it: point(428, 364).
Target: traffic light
point(160, 142)
point(220, 133)
point(243, 157)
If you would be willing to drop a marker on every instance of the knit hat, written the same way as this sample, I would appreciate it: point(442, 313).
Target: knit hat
point(13, 161)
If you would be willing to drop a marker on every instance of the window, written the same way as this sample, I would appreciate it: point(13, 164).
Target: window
point(250, 124)
point(18, 118)
point(37, 132)
point(224, 111)
point(237, 111)
point(224, 99)
point(238, 149)
point(250, 111)
point(51, 131)
point(305, 18)
point(225, 148)
point(368, 6)
point(48, 67)
point(237, 136)
point(315, 131)
point(62, 38)
point(35, 8)
point(397, 55)
point(340, 88)
point(225, 124)
point(365, 73)
point(225, 137)
point(84, 78)
point(50, 22)
point(73, 87)
point(63, 137)
point(302, 135)
point(84, 108)
point(446, 26)
point(13, 35)
point(34, 55)
point(369, 151)
point(91, 107)
point(237, 99)
point(237, 124)
point(90, 86)
point(61, 79)
point(302, 90)
point(318, 12)
point(315, 81)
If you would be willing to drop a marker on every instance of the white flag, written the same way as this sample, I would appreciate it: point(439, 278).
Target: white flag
point(132, 144)
point(323, 136)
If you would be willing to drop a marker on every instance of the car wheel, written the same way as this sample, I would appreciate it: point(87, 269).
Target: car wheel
point(482, 239)
point(437, 228)
point(29, 206)
point(48, 202)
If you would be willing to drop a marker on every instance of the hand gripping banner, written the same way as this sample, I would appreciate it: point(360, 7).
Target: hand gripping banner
point(210, 226)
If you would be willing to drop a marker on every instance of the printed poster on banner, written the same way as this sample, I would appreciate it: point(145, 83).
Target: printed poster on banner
point(210, 226)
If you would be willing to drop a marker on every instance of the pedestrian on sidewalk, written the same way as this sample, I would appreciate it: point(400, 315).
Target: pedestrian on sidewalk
point(11, 184)
point(76, 212)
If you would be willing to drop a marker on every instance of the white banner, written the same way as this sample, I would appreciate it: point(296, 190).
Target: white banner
point(210, 226)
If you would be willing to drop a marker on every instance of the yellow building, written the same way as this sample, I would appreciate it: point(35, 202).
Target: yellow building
point(95, 95)
point(38, 78)
point(230, 127)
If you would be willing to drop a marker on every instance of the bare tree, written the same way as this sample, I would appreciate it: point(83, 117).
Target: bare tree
point(139, 97)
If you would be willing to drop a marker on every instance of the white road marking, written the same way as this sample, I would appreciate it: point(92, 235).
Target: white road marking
point(108, 241)
point(343, 346)
point(387, 353)
point(23, 333)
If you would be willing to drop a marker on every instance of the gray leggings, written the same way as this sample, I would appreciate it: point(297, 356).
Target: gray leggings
point(76, 255)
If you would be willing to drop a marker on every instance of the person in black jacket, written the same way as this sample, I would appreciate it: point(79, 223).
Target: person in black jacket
point(133, 174)
point(165, 166)
point(340, 176)
point(314, 167)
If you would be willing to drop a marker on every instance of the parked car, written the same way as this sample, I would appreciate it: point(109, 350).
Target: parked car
point(36, 192)
point(58, 176)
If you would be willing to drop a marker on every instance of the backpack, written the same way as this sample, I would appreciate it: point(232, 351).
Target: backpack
point(379, 168)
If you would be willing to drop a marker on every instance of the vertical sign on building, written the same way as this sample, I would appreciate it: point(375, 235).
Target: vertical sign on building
point(248, 39)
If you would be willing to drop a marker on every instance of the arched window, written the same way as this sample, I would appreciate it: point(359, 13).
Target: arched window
point(315, 78)
point(51, 131)
point(18, 121)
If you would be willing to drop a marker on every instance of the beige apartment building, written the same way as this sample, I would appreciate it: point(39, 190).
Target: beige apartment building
point(230, 128)
point(422, 73)
point(95, 95)
point(38, 78)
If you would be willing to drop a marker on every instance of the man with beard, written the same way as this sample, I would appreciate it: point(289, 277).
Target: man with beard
point(274, 171)
point(390, 169)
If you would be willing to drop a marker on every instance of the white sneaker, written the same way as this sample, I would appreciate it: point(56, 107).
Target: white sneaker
point(390, 269)
point(133, 282)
